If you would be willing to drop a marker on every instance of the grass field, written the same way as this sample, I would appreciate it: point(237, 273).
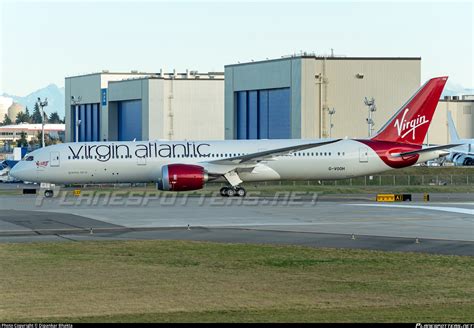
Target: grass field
point(147, 281)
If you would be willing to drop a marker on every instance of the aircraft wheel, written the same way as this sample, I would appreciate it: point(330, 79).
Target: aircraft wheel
point(230, 192)
point(48, 193)
point(223, 191)
point(241, 192)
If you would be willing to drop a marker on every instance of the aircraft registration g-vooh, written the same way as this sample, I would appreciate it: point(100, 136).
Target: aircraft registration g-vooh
point(188, 165)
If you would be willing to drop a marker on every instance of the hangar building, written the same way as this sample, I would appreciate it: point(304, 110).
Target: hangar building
point(462, 111)
point(144, 106)
point(290, 97)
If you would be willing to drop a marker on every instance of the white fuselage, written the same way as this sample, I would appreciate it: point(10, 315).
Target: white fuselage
point(141, 161)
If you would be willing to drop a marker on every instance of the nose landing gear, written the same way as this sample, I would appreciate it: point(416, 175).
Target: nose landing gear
point(233, 192)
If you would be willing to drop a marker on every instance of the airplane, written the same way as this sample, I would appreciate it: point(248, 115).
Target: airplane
point(5, 167)
point(188, 165)
point(464, 154)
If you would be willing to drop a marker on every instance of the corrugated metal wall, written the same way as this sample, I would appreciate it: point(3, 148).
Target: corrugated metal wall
point(463, 117)
point(346, 83)
point(191, 109)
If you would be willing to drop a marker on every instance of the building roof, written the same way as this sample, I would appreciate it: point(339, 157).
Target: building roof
point(32, 127)
point(317, 57)
point(157, 75)
point(191, 76)
point(462, 98)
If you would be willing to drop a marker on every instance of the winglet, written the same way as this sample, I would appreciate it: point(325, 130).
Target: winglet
point(453, 134)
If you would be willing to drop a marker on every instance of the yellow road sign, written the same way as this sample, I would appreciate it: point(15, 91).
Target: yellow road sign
point(385, 197)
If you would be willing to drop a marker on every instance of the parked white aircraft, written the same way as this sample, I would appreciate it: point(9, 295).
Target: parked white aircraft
point(5, 167)
point(461, 155)
point(188, 165)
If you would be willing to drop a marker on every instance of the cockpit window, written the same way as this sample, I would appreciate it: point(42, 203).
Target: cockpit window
point(29, 158)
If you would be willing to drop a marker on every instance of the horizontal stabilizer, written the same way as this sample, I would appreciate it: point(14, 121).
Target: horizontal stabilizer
point(425, 150)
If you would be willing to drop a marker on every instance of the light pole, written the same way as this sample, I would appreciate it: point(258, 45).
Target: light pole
point(331, 113)
point(42, 104)
point(77, 121)
point(371, 108)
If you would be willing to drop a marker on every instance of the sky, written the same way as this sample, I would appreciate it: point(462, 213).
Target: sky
point(41, 42)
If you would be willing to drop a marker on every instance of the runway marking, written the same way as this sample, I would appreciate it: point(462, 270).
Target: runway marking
point(460, 210)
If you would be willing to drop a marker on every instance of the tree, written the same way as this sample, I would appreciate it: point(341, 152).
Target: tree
point(27, 114)
point(22, 117)
point(36, 117)
point(47, 140)
point(22, 142)
point(54, 118)
point(6, 120)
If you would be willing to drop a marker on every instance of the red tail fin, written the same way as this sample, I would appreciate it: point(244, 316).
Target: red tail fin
point(410, 124)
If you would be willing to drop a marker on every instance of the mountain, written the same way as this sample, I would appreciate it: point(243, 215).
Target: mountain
point(54, 94)
point(453, 89)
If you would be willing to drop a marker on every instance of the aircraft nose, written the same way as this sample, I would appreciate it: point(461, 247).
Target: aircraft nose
point(20, 172)
point(14, 171)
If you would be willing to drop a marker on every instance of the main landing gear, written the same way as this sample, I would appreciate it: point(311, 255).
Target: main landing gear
point(233, 191)
point(48, 189)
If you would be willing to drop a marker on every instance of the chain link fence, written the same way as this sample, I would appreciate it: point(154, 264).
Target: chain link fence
point(387, 180)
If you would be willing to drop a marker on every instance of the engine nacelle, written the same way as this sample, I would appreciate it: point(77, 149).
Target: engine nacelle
point(460, 159)
point(182, 177)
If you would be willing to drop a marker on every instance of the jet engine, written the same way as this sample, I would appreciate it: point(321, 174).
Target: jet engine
point(182, 177)
point(460, 159)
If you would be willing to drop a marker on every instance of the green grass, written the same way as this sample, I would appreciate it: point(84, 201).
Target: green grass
point(147, 281)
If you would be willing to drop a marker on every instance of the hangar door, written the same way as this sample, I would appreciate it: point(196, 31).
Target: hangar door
point(263, 114)
point(88, 117)
point(129, 120)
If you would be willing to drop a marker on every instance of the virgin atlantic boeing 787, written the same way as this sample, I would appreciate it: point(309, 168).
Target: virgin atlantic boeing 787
point(188, 165)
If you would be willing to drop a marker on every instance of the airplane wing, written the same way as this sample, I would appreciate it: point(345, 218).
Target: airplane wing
point(222, 166)
point(426, 150)
point(269, 154)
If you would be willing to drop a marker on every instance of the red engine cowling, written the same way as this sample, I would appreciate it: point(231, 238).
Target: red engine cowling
point(182, 177)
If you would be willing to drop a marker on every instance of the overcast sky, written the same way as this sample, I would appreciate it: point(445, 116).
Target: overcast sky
point(42, 42)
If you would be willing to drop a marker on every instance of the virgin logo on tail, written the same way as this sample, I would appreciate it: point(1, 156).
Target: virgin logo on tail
point(404, 127)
